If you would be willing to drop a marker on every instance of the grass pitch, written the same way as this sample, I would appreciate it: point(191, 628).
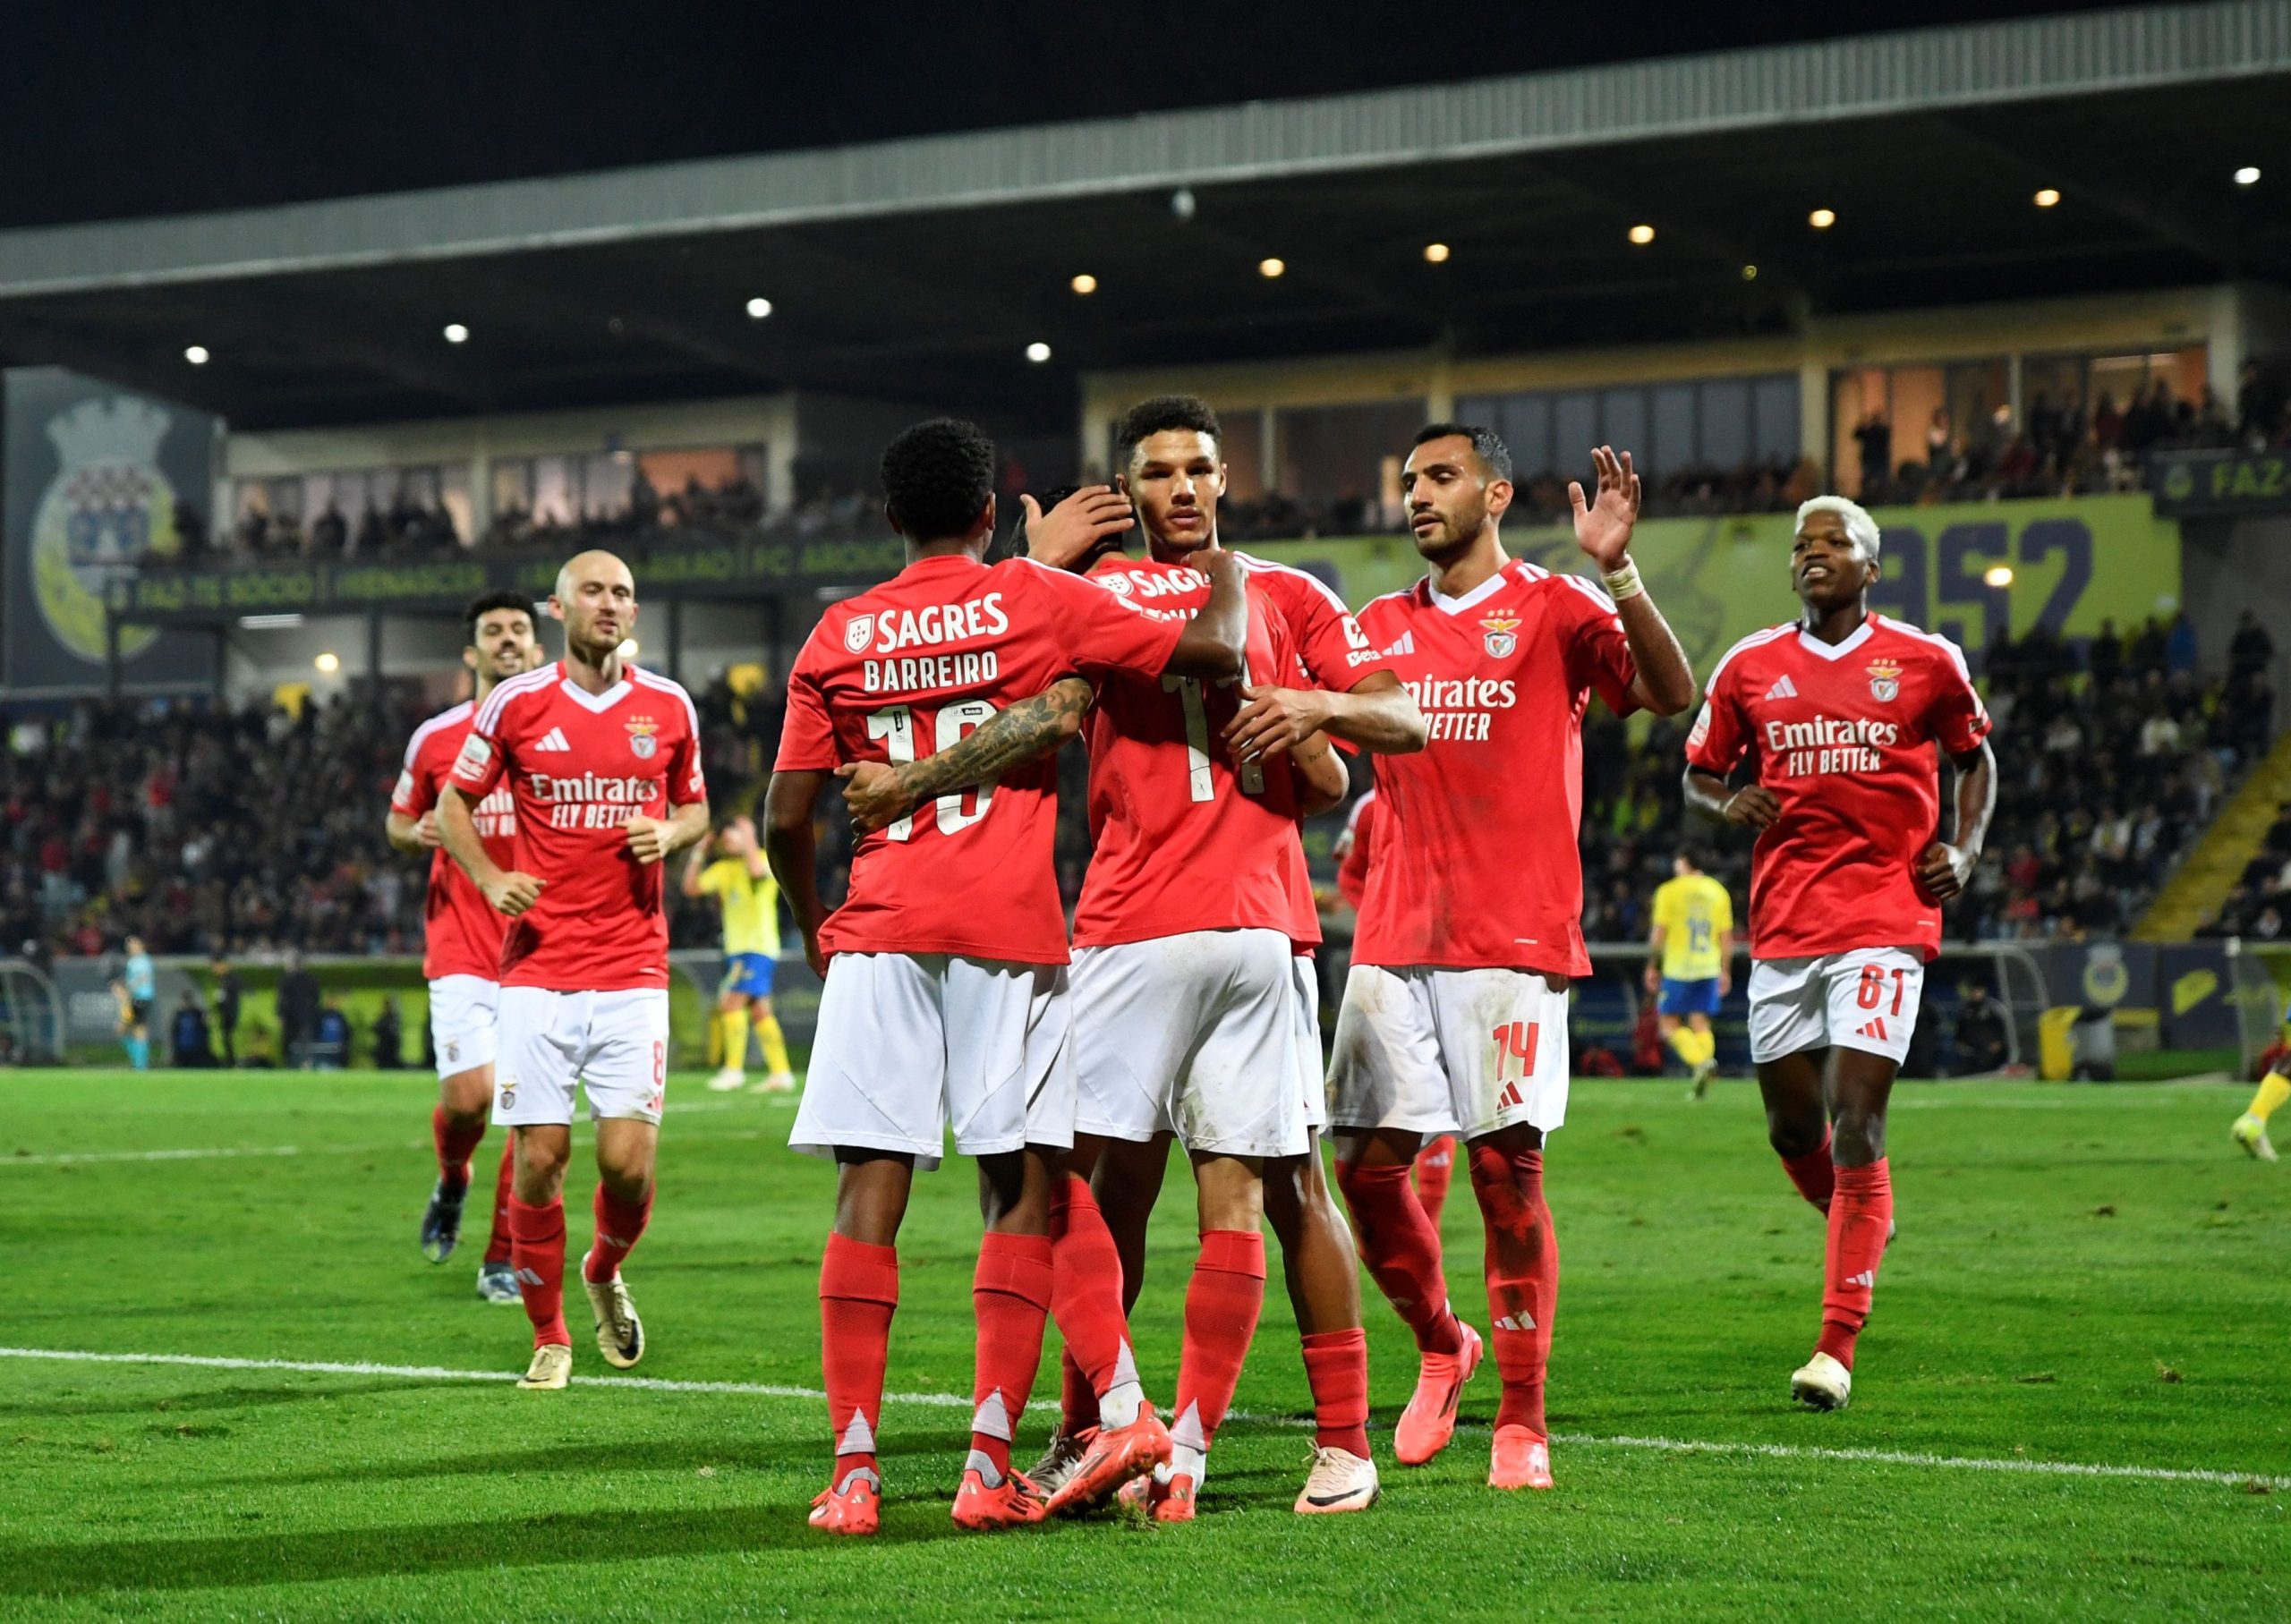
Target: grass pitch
point(2085, 1278)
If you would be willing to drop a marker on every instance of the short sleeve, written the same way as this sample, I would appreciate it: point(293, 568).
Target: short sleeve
point(1955, 717)
point(1722, 909)
point(416, 791)
point(1336, 652)
point(483, 758)
point(808, 742)
point(1664, 914)
point(1598, 654)
point(1103, 631)
point(713, 877)
point(688, 783)
point(1720, 734)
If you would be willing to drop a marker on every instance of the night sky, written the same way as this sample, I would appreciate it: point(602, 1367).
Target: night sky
point(118, 111)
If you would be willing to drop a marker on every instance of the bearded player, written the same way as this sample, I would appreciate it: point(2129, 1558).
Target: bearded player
point(1841, 712)
point(1454, 1018)
point(945, 996)
point(461, 948)
point(603, 760)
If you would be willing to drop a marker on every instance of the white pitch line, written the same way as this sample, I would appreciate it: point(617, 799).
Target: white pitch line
point(68, 1157)
point(767, 1389)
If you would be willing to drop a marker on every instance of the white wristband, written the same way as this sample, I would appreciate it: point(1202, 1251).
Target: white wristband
point(1625, 582)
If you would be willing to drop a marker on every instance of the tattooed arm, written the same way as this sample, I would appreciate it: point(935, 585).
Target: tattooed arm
point(879, 795)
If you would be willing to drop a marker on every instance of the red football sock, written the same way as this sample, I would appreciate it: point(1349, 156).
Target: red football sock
point(1221, 1304)
point(620, 1225)
point(537, 1248)
point(1436, 1165)
point(455, 1138)
point(1336, 1367)
point(858, 1293)
point(1011, 1292)
point(1522, 1266)
point(1858, 1222)
point(497, 1244)
point(1814, 1174)
point(1086, 1300)
point(1402, 1249)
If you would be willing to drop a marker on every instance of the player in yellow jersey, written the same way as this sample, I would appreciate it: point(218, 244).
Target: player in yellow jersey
point(741, 881)
point(1689, 950)
point(2251, 1128)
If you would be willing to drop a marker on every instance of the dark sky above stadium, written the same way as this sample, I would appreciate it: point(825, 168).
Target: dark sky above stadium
point(109, 112)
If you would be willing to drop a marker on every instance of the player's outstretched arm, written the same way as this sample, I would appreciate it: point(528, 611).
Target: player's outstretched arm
point(1665, 683)
point(1945, 865)
point(1214, 644)
point(792, 849)
point(878, 794)
point(509, 891)
point(1753, 807)
point(412, 835)
point(1376, 715)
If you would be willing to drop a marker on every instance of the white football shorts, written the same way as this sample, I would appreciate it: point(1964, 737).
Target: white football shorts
point(463, 1026)
point(1312, 1077)
point(1866, 998)
point(614, 1044)
point(1429, 1050)
point(910, 1043)
point(1194, 1035)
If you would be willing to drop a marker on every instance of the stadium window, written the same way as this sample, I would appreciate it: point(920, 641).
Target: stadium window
point(557, 492)
point(1622, 421)
point(1244, 449)
point(1574, 431)
point(1774, 420)
point(1725, 442)
point(1333, 455)
point(1670, 439)
point(513, 485)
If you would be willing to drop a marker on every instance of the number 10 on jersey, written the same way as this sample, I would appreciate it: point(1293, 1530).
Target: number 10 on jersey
point(895, 725)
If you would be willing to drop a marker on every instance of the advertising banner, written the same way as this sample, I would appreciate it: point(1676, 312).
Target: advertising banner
point(91, 474)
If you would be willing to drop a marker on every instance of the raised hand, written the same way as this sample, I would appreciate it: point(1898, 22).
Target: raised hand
point(1603, 526)
point(1065, 536)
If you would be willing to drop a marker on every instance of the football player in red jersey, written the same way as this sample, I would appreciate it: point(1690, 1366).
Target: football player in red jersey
point(602, 761)
point(461, 950)
point(1454, 1018)
point(1195, 1009)
point(1842, 710)
point(945, 998)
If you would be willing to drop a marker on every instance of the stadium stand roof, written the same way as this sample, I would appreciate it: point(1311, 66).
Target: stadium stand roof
point(924, 267)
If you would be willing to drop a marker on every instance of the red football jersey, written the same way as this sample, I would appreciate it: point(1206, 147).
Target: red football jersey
point(1333, 650)
point(911, 667)
point(1475, 862)
point(460, 932)
point(580, 765)
point(1843, 735)
point(1185, 839)
point(1352, 848)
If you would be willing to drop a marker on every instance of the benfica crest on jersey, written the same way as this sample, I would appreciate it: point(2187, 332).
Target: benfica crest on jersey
point(1500, 636)
point(641, 742)
point(1885, 679)
point(858, 631)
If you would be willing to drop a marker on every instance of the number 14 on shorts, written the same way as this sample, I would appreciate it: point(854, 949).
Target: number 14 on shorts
point(1517, 1041)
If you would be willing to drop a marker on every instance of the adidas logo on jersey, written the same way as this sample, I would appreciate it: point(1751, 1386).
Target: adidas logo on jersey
point(1784, 688)
point(554, 739)
point(1875, 1029)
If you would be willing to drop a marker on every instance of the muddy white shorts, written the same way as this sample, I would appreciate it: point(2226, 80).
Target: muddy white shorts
point(1866, 998)
point(614, 1044)
point(911, 1043)
point(1194, 1033)
point(463, 1027)
point(1429, 1049)
point(1312, 1076)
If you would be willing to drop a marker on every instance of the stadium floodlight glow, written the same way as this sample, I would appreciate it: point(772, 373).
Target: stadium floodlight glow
point(1998, 574)
point(1181, 202)
point(196, 354)
point(328, 663)
point(2046, 198)
point(1750, 272)
point(268, 623)
point(1641, 235)
point(1037, 352)
point(1822, 219)
point(629, 648)
point(1435, 254)
point(1270, 267)
point(2248, 175)
point(1084, 283)
point(758, 309)
point(455, 332)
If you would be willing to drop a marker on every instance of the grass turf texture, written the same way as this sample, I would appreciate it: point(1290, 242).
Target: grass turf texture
point(2084, 1275)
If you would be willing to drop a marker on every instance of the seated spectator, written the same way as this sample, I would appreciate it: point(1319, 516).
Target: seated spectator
point(330, 1043)
point(188, 1045)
